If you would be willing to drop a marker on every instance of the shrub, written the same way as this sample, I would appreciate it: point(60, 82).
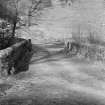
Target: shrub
point(94, 38)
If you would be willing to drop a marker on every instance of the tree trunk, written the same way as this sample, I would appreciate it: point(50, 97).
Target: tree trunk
point(14, 27)
point(29, 18)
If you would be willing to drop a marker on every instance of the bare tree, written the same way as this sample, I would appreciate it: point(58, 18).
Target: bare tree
point(32, 9)
point(14, 5)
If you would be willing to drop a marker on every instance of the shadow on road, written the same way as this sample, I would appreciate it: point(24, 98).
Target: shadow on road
point(43, 53)
point(51, 52)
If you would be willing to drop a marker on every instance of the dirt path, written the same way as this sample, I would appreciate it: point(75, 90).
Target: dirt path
point(54, 79)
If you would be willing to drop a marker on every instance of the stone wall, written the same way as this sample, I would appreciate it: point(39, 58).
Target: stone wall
point(15, 58)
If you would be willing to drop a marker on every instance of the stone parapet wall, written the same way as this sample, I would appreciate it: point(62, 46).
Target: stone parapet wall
point(15, 58)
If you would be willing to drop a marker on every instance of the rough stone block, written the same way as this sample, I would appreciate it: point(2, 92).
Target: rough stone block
point(15, 58)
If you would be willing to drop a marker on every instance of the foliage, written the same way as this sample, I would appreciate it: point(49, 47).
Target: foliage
point(9, 11)
point(5, 12)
